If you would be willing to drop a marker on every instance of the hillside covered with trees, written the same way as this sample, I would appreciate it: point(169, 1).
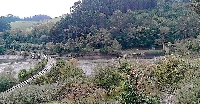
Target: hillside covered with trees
point(110, 26)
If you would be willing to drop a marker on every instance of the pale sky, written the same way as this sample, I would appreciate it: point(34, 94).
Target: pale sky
point(26, 8)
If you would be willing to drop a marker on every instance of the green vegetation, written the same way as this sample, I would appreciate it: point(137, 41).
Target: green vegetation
point(24, 74)
point(108, 78)
point(109, 27)
point(170, 71)
point(6, 83)
point(124, 82)
point(7, 79)
point(66, 83)
point(190, 92)
point(61, 72)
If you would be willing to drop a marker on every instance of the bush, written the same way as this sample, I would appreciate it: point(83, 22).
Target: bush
point(71, 91)
point(6, 83)
point(108, 78)
point(169, 72)
point(132, 96)
point(189, 91)
point(7, 79)
point(32, 94)
point(60, 72)
point(189, 88)
point(24, 74)
point(123, 84)
point(134, 88)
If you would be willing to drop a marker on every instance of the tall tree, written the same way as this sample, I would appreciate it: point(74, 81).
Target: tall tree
point(4, 25)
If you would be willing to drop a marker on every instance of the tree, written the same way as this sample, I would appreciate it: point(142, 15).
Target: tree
point(2, 49)
point(22, 75)
point(7, 79)
point(196, 6)
point(4, 25)
point(5, 83)
point(39, 17)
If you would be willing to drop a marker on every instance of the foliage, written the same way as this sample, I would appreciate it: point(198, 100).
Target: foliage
point(195, 6)
point(124, 82)
point(172, 75)
point(4, 25)
point(6, 20)
point(7, 79)
point(169, 72)
point(60, 72)
point(32, 94)
point(141, 28)
point(115, 23)
point(134, 86)
point(69, 91)
point(107, 78)
point(130, 95)
point(6, 83)
point(108, 7)
point(107, 26)
point(39, 17)
point(187, 47)
point(189, 92)
point(2, 49)
point(24, 74)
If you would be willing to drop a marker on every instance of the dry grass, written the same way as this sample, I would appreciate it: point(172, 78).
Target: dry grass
point(23, 24)
point(29, 24)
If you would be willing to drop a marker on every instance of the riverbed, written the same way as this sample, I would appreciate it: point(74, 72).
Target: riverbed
point(86, 64)
point(16, 63)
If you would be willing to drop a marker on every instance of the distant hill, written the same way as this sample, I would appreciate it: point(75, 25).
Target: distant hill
point(37, 18)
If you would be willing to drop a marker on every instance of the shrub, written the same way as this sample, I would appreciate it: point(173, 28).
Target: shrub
point(189, 88)
point(6, 83)
point(134, 90)
point(7, 79)
point(132, 96)
point(189, 91)
point(24, 74)
point(60, 72)
point(32, 94)
point(108, 78)
point(40, 65)
point(123, 83)
point(69, 91)
point(169, 72)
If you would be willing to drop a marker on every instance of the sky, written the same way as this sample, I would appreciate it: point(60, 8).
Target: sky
point(27, 8)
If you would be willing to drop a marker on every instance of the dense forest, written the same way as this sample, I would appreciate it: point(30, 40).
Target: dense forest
point(109, 26)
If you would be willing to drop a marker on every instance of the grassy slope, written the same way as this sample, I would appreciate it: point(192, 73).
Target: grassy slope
point(23, 24)
point(28, 24)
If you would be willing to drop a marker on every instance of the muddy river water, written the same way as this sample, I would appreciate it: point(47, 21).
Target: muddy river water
point(86, 64)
